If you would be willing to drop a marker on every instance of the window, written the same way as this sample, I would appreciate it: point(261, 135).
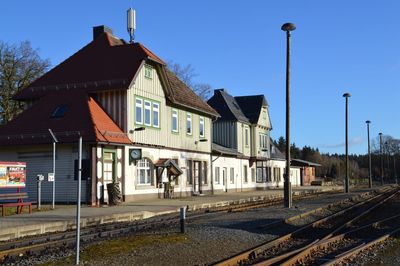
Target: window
point(156, 115)
point(147, 113)
point(217, 180)
point(263, 141)
point(262, 172)
point(232, 175)
point(189, 124)
point(201, 127)
point(253, 175)
point(138, 110)
point(59, 111)
point(148, 71)
point(269, 175)
point(245, 173)
point(175, 120)
point(108, 166)
point(144, 172)
point(246, 136)
point(204, 179)
point(189, 171)
point(277, 174)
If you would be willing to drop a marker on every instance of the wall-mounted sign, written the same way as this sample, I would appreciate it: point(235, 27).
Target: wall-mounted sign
point(50, 177)
point(12, 174)
point(134, 155)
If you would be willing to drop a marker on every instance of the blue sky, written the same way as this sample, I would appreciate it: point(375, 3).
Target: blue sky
point(338, 46)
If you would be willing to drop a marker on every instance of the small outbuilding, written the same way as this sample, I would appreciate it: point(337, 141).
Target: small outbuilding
point(307, 170)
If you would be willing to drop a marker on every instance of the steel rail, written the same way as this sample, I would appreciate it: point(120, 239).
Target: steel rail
point(253, 252)
point(306, 251)
point(346, 225)
point(323, 244)
point(30, 245)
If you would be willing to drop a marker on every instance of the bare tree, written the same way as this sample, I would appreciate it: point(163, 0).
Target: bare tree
point(20, 65)
point(187, 74)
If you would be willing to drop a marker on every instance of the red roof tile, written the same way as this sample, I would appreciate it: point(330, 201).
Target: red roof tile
point(82, 115)
point(109, 63)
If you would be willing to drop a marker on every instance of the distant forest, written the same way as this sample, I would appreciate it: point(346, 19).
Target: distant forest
point(333, 165)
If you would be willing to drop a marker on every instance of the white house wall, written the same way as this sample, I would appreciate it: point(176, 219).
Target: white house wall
point(133, 190)
point(239, 184)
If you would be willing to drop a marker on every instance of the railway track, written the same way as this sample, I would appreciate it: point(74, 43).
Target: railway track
point(9, 250)
point(306, 237)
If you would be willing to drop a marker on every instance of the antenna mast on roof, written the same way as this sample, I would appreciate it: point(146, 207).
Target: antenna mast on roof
point(131, 24)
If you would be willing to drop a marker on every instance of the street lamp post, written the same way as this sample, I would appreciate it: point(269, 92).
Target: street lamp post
point(346, 185)
point(288, 27)
point(369, 157)
point(381, 152)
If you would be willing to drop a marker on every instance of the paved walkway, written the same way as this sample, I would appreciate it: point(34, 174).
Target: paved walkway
point(63, 217)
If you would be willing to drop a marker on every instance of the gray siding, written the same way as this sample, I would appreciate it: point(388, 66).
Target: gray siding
point(225, 134)
point(39, 160)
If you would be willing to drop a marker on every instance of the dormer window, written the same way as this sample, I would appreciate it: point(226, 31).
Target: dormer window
point(148, 71)
point(59, 111)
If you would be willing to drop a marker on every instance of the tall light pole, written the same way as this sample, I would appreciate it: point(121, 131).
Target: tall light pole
point(381, 152)
point(346, 185)
point(288, 27)
point(369, 157)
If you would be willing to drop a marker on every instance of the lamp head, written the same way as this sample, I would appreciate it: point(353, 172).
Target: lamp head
point(380, 134)
point(288, 27)
point(347, 95)
point(368, 122)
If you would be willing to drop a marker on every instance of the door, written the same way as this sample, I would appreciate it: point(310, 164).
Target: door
point(224, 179)
point(196, 177)
point(108, 172)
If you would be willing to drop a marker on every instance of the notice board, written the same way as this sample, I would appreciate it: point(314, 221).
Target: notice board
point(12, 174)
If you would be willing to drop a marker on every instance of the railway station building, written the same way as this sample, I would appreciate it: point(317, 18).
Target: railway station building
point(142, 128)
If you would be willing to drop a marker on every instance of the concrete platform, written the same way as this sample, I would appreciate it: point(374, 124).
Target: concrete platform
point(63, 217)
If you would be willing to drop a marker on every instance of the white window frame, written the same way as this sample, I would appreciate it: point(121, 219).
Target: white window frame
point(263, 141)
point(232, 175)
point(175, 115)
point(156, 113)
point(147, 108)
point(189, 119)
point(144, 164)
point(217, 177)
point(246, 136)
point(202, 124)
point(139, 106)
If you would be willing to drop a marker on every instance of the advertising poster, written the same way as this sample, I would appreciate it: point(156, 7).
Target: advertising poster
point(12, 174)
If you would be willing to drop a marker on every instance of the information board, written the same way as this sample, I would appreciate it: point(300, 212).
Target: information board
point(12, 174)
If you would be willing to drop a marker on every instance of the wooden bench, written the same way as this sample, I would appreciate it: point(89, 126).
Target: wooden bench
point(19, 204)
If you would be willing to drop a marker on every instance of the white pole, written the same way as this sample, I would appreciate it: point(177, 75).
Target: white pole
point(54, 167)
point(54, 176)
point(78, 203)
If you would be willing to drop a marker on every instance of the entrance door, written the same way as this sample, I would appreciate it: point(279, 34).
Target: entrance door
point(108, 171)
point(224, 179)
point(196, 177)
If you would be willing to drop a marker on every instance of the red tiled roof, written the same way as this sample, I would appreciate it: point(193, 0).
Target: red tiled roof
point(105, 129)
point(82, 115)
point(106, 62)
point(109, 63)
point(183, 95)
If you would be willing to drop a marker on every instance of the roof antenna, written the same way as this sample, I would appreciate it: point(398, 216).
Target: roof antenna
point(131, 24)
